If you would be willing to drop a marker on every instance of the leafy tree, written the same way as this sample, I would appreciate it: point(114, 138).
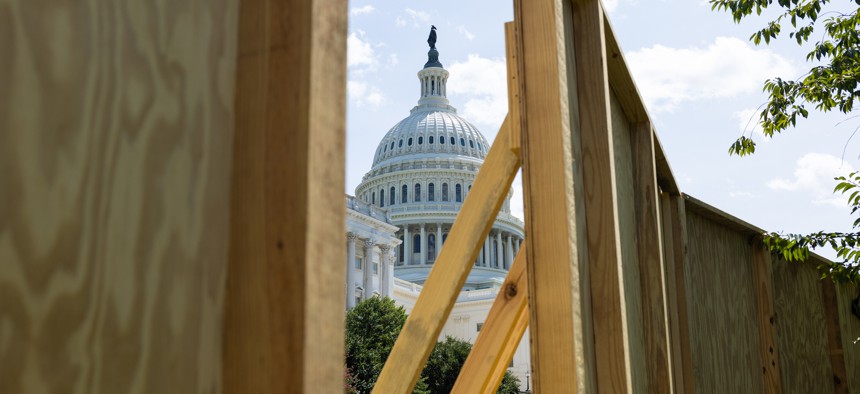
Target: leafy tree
point(830, 84)
point(372, 328)
point(445, 362)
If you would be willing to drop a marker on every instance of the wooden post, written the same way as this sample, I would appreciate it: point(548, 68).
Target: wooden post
point(841, 381)
point(559, 304)
point(285, 294)
point(675, 253)
point(505, 325)
point(449, 273)
point(604, 249)
point(651, 265)
point(768, 346)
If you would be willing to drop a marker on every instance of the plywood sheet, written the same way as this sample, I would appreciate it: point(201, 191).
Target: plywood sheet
point(721, 309)
point(116, 128)
point(803, 357)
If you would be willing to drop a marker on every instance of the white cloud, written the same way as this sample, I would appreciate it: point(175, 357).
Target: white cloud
point(466, 33)
point(814, 173)
point(517, 197)
point(354, 11)
point(361, 93)
point(359, 52)
point(393, 60)
point(418, 18)
point(482, 83)
point(399, 22)
point(610, 5)
point(729, 66)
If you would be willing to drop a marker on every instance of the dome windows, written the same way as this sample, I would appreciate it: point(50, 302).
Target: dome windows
point(453, 142)
point(462, 142)
point(472, 144)
point(430, 192)
point(392, 196)
point(417, 195)
point(381, 197)
point(392, 145)
point(400, 145)
point(403, 194)
point(409, 142)
point(458, 193)
point(442, 140)
point(420, 140)
point(444, 192)
point(430, 139)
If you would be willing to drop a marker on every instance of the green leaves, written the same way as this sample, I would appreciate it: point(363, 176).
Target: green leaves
point(742, 147)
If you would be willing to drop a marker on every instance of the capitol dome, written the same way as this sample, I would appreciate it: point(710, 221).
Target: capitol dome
point(422, 172)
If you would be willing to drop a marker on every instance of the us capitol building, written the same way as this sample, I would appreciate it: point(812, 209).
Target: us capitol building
point(399, 219)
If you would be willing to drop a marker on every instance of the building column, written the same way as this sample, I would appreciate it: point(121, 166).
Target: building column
point(509, 252)
point(423, 245)
point(407, 246)
point(438, 241)
point(390, 275)
point(350, 270)
point(516, 245)
point(499, 256)
point(480, 261)
point(488, 254)
point(368, 269)
point(384, 272)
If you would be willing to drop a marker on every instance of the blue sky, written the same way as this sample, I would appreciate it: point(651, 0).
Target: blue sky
point(700, 76)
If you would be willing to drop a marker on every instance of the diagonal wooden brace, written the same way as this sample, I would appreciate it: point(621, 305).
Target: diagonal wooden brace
point(449, 273)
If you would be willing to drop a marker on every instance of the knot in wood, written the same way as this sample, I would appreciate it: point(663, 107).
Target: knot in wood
point(510, 290)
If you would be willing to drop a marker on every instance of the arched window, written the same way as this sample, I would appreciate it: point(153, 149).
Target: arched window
point(431, 192)
point(392, 199)
point(479, 146)
point(404, 191)
point(444, 192)
point(392, 145)
point(416, 243)
point(374, 198)
point(420, 140)
point(417, 195)
point(472, 144)
point(452, 141)
point(381, 197)
point(431, 139)
point(400, 144)
point(409, 142)
point(431, 247)
point(462, 142)
point(442, 140)
point(458, 193)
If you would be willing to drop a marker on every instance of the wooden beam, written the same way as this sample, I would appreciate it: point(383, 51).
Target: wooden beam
point(449, 273)
point(651, 265)
point(557, 273)
point(621, 81)
point(675, 241)
point(283, 327)
point(841, 380)
point(604, 249)
point(514, 66)
point(768, 346)
point(501, 334)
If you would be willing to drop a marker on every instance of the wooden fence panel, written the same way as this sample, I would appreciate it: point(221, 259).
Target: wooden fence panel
point(804, 362)
point(116, 131)
point(721, 308)
point(849, 329)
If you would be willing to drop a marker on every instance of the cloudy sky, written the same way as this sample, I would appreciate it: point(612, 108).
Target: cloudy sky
point(700, 76)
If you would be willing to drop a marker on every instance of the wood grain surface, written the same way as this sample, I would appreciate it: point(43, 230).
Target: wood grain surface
point(284, 324)
point(721, 308)
point(116, 131)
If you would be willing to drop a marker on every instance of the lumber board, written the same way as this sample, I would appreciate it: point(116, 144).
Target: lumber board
point(449, 273)
point(649, 234)
point(769, 349)
point(628, 210)
point(559, 304)
point(514, 67)
point(675, 307)
point(611, 341)
point(799, 316)
point(115, 149)
point(498, 340)
point(724, 338)
point(841, 341)
point(284, 318)
point(621, 81)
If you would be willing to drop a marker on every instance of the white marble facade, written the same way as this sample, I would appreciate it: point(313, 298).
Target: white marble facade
point(422, 171)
